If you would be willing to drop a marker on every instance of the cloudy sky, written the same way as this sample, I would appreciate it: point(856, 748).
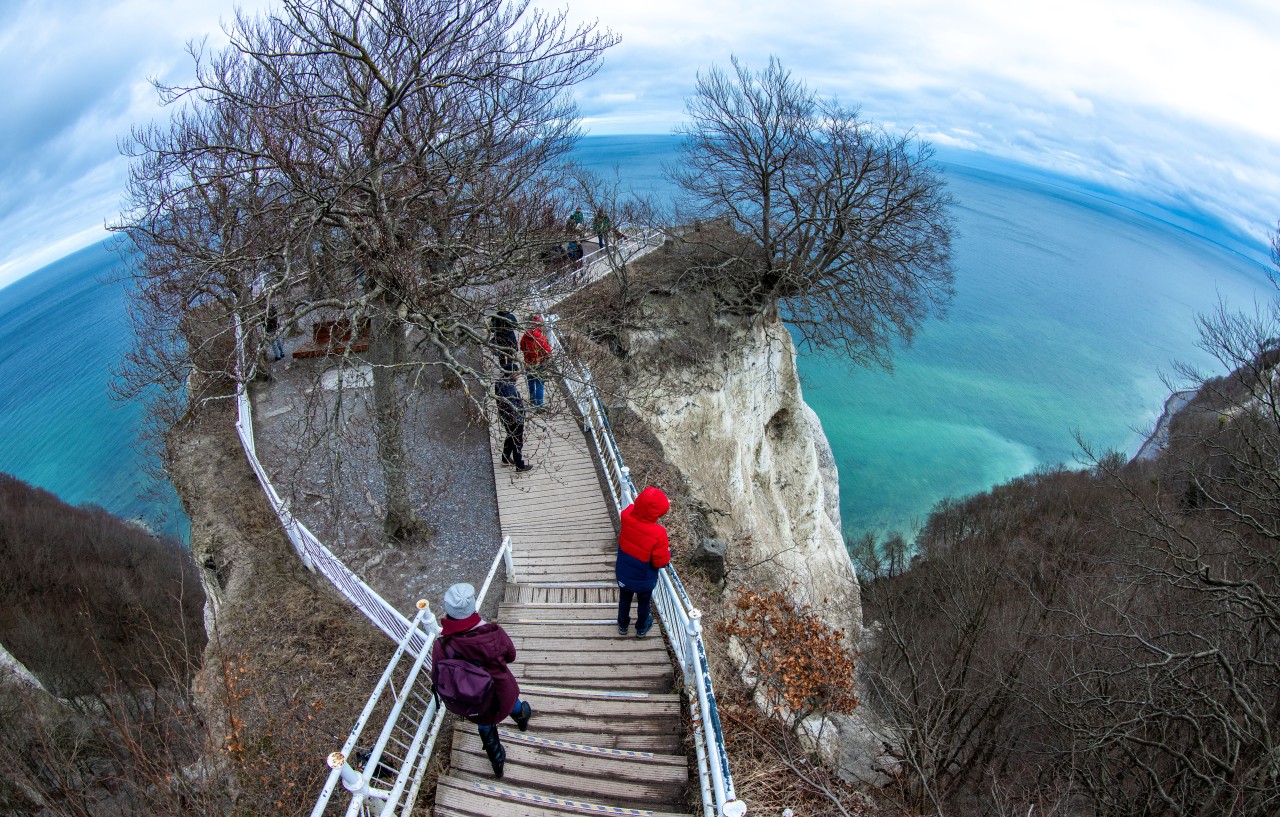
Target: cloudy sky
point(1170, 100)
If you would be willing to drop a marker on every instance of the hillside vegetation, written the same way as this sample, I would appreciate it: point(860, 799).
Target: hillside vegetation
point(86, 593)
point(1103, 641)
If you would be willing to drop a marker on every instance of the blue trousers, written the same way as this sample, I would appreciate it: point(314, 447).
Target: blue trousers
point(536, 389)
point(642, 606)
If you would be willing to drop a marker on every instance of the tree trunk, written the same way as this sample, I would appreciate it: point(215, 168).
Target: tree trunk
point(386, 353)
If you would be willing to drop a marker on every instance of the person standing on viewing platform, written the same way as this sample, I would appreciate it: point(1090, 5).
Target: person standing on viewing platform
point(643, 550)
point(466, 646)
point(577, 222)
point(511, 414)
point(272, 327)
point(536, 350)
point(502, 339)
point(601, 226)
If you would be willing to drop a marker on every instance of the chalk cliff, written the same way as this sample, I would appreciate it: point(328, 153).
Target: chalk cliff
point(755, 455)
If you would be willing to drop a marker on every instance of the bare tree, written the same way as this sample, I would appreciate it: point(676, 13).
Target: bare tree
point(846, 224)
point(392, 162)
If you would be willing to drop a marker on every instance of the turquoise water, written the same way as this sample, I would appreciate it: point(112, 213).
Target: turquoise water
point(1068, 307)
point(62, 329)
point(1070, 304)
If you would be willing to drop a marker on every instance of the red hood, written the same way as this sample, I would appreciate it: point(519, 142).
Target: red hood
point(651, 504)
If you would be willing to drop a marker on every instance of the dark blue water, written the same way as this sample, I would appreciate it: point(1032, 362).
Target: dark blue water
point(1069, 306)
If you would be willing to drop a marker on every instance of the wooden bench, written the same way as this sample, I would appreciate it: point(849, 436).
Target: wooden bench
point(334, 338)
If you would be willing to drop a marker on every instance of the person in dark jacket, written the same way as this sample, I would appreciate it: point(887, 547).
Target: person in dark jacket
point(511, 413)
point(503, 341)
point(643, 550)
point(488, 646)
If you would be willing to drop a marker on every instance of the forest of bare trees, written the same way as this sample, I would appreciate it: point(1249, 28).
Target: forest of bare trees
point(1104, 641)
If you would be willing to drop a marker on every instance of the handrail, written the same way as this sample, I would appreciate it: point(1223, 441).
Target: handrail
point(683, 621)
point(411, 637)
point(414, 689)
point(310, 549)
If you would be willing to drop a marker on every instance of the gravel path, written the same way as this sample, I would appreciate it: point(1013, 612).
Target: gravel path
point(315, 437)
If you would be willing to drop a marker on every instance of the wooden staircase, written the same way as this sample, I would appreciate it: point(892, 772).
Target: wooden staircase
point(606, 736)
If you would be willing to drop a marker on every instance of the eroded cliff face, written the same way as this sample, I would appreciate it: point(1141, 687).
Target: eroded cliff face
point(755, 454)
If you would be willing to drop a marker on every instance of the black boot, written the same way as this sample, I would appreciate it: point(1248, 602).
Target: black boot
point(522, 717)
point(493, 748)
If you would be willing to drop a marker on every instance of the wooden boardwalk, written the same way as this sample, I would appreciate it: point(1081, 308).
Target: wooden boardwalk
point(606, 734)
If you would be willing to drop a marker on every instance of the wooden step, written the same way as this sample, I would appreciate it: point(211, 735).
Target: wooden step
point(607, 629)
point(469, 796)
point(602, 552)
point(631, 673)
point(596, 592)
point(613, 776)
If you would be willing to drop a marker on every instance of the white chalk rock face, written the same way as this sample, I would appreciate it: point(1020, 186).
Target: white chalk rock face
point(756, 454)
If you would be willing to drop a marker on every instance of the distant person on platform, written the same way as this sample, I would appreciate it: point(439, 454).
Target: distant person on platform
point(643, 550)
point(272, 327)
point(502, 339)
point(577, 222)
point(464, 635)
point(600, 224)
point(511, 414)
point(575, 253)
point(536, 350)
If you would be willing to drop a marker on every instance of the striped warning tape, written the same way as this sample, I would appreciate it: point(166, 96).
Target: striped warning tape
point(582, 693)
point(612, 621)
point(520, 737)
point(559, 802)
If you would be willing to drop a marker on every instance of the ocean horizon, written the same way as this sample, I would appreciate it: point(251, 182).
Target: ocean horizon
point(1071, 301)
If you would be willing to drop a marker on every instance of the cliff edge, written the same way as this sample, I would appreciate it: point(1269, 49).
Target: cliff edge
point(757, 460)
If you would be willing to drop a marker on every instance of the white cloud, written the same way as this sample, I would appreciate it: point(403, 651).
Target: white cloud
point(1166, 98)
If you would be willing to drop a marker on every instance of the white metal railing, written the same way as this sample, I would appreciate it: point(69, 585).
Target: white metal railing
point(596, 264)
point(311, 550)
point(413, 712)
point(392, 771)
point(682, 621)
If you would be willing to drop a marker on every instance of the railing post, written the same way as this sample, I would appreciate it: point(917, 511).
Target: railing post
point(694, 632)
point(352, 780)
point(506, 558)
point(624, 489)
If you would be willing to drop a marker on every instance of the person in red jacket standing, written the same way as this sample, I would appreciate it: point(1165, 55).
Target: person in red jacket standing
point(643, 550)
point(537, 354)
point(488, 646)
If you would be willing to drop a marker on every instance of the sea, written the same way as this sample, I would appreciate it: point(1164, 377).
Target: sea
point(1072, 306)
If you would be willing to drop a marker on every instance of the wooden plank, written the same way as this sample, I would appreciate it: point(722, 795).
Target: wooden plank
point(473, 795)
point(626, 648)
point(526, 613)
point(616, 783)
point(531, 749)
point(603, 631)
point(563, 702)
point(640, 674)
point(622, 793)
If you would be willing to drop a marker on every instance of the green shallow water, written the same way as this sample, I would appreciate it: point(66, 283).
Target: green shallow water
point(1067, 311)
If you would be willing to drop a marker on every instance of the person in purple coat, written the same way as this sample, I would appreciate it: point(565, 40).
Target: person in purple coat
point(488, 646)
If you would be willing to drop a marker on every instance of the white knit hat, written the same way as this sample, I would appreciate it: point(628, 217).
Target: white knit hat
point(459, 600)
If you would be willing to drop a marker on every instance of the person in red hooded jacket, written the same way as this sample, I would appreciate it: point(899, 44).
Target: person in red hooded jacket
point(536, 350)
point(643, 550)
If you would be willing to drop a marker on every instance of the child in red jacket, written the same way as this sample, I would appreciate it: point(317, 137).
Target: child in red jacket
point(643, 549)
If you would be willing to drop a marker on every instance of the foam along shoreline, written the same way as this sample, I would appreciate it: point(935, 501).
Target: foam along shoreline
point(1159, 438)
